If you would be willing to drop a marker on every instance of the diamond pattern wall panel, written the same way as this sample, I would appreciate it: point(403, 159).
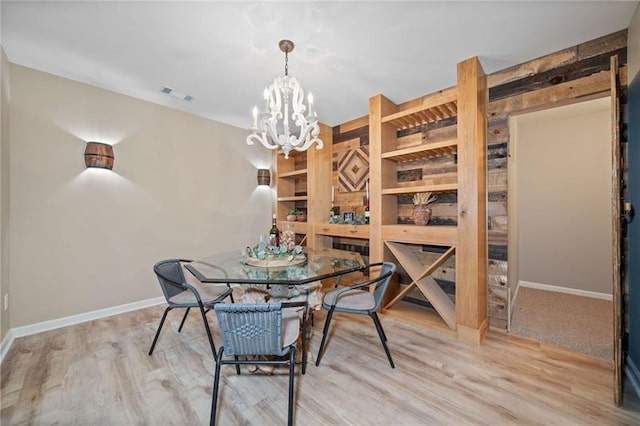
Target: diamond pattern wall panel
point(353, 169)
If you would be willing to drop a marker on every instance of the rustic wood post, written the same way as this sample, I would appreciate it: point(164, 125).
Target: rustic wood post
point(471, 254)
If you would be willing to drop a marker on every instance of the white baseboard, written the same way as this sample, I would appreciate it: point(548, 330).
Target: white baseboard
point(6, 344)
point(27, 330)
point(633, 374)
point(558, 289)
point(511, 303)
point(512, 300)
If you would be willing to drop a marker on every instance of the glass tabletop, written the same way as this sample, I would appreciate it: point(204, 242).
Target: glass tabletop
point(232, 267)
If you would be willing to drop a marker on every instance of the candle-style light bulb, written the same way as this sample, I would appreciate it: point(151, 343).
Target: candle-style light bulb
point(310, 100)
point(266, 99)
point(255, 116)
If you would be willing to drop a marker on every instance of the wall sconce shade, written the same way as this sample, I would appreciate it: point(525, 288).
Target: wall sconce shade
point(98, 154)
point(264, 177)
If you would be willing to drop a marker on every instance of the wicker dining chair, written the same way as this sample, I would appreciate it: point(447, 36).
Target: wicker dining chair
point(357, 299)
point(187, 293)
point(261, 330)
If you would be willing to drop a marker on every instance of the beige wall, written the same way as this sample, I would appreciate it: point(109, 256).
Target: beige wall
point(563, 204)
point(5, 323)
point(86, 239)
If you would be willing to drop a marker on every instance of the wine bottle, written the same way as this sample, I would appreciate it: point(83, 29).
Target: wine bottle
point(274, 233)
point(366, 212)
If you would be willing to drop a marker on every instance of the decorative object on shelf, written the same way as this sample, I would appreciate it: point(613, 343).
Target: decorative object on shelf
point(357, 219)
point(367, 213)
point(291, 216)
point(334, 213)
point(284, 103)
point(264, 177)
point(422, 211)
point(301, 216)
point(266, 256)
point(353, 169)
point(288, 238)
point(98, 154)
point(348, 217)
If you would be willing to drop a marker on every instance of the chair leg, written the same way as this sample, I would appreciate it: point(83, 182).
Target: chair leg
point(292, 368)
point(184, 318)
point(216, 382)
point(155, 339)
point(206, 326)
point(237, 365)
point(324, 336)
point(303, 330)
point(383, 337)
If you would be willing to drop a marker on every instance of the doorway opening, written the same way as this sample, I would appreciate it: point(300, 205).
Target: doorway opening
point(560, 235)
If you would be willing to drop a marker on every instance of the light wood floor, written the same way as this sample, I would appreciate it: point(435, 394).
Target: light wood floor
point(99, 373)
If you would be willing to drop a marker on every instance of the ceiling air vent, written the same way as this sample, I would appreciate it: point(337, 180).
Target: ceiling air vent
point(169, 91)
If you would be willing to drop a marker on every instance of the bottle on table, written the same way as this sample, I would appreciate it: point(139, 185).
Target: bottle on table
point(274, 233)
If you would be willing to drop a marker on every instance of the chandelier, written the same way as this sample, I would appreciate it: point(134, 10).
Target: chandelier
point(283, 105)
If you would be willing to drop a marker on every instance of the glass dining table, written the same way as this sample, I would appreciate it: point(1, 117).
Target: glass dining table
point(259, 282)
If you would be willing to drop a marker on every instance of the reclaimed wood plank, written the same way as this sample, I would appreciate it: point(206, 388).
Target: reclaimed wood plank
point(557, 75)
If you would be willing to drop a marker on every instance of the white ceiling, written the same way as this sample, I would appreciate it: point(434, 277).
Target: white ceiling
point(225, 53)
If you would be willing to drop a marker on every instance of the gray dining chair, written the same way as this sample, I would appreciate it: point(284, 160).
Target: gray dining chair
point(184, 291)
point(266, 330)
point(357, 299)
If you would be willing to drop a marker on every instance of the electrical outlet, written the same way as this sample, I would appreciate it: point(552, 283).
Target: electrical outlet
point(6, 301)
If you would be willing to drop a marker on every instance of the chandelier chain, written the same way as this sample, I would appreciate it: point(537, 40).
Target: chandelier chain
point(286, 62)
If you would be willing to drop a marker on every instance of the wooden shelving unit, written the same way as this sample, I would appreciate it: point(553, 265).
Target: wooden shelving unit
point(291, 182)
point(424, 151)
point(412, 189)
point(293, 174)
point(462, 106)
point(300, 186)
point(434, 108)
point(305, 183)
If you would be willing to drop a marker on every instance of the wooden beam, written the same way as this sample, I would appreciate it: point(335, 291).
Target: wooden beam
point(471, 253)
point(380, 136)
point(616, 230)
point(560, 74)
point(357, 123)
point(584, 88)
point(318, 176)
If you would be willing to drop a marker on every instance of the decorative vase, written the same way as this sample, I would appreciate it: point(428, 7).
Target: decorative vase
point(291, 217)
point(301, 217)
point(421, 214)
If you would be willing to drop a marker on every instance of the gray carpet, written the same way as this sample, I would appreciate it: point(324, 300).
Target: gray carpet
point(581, 324)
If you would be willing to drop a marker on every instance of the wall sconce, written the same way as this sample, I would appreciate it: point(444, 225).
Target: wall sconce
point(98, 154)
point(264, 177)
